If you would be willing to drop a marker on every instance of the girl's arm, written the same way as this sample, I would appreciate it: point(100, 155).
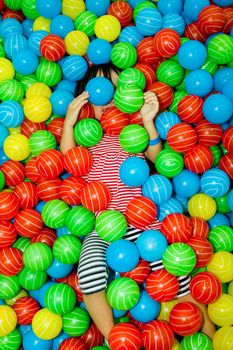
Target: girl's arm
point(67, 138)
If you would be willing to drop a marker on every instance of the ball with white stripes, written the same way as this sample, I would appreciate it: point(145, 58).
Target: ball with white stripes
point(125, 336)
point(41, 140)
point(76, 322)
point(220, 49)
point(196, 341)
point(132, 76)
point(88, 132)
point(215, 183)
point(80, 221)
point(52, 47)
point(205, 287)
point(46, 325)
point(50, 163)
point(67, 249)
point(107, 27)
point(37, 257)
point(134, 138)
point(158, 188)
point(60, 298)
point(202, 205)
point(95, 196)
point(140, 212)
point(111, 225)
point(54, 213)
point(123, 293)
point(179, 259)
point(11, 114)
point(149, 21)
point(169, 163)
point(167, 42)
point(78, 161)
point(123, 55)
point(162, 286)
point(221, 238)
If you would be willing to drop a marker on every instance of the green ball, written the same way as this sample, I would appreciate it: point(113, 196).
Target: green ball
point(111, 225)
point(76, 322)
point(60, 299)
point(132, 76)
point(170, 72)
point(38, 257)
point(11, 90)
point(179, 259)
point(123, 55)
point(12, 341)
point(169, 163)
point(85, 22)
point(9, 286)
point(123, 293)
point(67, 249)
point(222, 204)
point(217, 154)
point(181, 86)
point(54, 213)
point(178, 95)
point(48, 73)
point(40, 141)
point(141, 6)
point(28, 80)
point(2, 180)
point(22, 243)
point(220, 49)
point(88, 132)
point(30, 280)
point(51, 118)
point(100, 348)
point(225, 286)
point(128, 98)
point(2, 51)
point(196, 341)
point(197, 270)
point(221, 238)
point(13, 4)
point(134, 138)
point(29, 8)
point(80, 221)
point(210, 66)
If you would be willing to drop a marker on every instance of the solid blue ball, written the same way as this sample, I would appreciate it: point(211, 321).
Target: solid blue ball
point(149, 21)
point(186, 183)
point(31, 341)
point(99, 7)
point(60, 100)
point(146, 309)
point(151, 245)
point(4, 132)
point(100, 91)
point(3, 157)
point(192, 54)
point(11, 114)
point(192, 8)
point(99, 51)
point(221, 77)
point(158, 188)
point(217, 109)
point(230, 199)
point(35, 39)
point(25, 61)
point(134, 171)
point(183, 201)
point(74, 67)
point(61, 25)
point(25, 329)
point(223, 2)
point(42, 292)
point(40, 206)
point(59, 270)
point(199, 82)
point(49, 8)
point(14, 43)
point(118, 313)
point(170, 6)
point(164, 121)
point(130, 35)
point(122, 255)
point(66, 84)
point(218, 220)
point(174, 21)
point(58, 340)
point(227, 89)
point(169, 207)
point(134, 3)
point(215, 183)
point(27, 27)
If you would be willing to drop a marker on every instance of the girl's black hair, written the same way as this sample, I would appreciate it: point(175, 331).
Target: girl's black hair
point(106, 69)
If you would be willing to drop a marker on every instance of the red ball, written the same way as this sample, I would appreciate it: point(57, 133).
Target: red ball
point(205, 287)
point(211, 19)
point(92, 337)
point(8, 234)
point(148, 71)
point(31, 170)
point(228, 13)
point(200, 228)
point(56, 128)
point(13, 171)
point(163, 92)
point(162, 286)
point(28, 127)
point(227, 139)
point(125, 336)
point(122, 11)
point(136, 118)
point(190, 109)
point(18, 15)
point(72, 281)
point(52, 47)
point(226, 164)
point(50, 163)
point(199, 159)
point(203, 250)
point(46, 235)
point(140, 273)
point(185, 318)
point(72, 344)
point(140, 212)
point(2, 5)
point(26, 192)
point(28, 222)
point(49, 189)
point(78, 161)
point(113, 121)
point(71, 189)
point(9, 205)
point(176, 227)
point(11, 262)
point(167, 42)
point(208, 134)
point(157, 335)
point(25, 309)
point(87, 111)
point(193, 32)
point(182, 137)
point(95, 196)
point(146, 51)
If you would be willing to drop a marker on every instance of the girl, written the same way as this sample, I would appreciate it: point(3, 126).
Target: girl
point(108, 156)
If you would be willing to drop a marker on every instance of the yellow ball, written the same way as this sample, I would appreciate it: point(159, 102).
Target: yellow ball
point(221, 265)
point(14, 131)
point(230, 288)
point(221, 311)
point(22, 293)
point(176, 345)
point(16, 147)
point(202, 206)
point(76, 43)
point(73, 8)
point(165, 309)
point(41, 23)
point(107, 27)
point(46, 325)
point(38, 89)
point(223, 339)
point(7, 70)
point(8, 320)
point(37, 109)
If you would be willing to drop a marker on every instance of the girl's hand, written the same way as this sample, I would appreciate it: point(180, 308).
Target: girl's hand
point(150, 107)
point(75, 107)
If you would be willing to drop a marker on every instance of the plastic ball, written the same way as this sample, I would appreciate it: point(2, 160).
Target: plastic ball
point(59, 270)
point(76, 43)
point(14, 43)
point(193, 8)
point(41, 23)
point(70, 343)
point(37, 109)
point(92, 337)
point(227, 139)
point(158, 188)
point(227, 88)
point(11, 262)
point(70, 190)
point(72, 8)
point(128, 98)
point(169, 163)
point(100, 91)
point(151, 245)
point(146, 52)
point(111, 225)
point(122, 11)
point(221, 238)
point(215, 183)
point(140, 212)
point(130, 35)
point(54, 213)
point(185, 318)
point(52, 47)
point(25, 309)
point(165, 121)
point(176, 228)
point(146, 309)
point(221, 266)
point(162, 286)
point(12, 340)
point(226, 164)
point(164, 94)
point(196, 341)
point(49, 73)
point(122, 255)
point(211, 19)
point(199, 82)
point(174, 21)
point(123, 55)
point(61, 25)
point(186, 183)
point(170, 73)
point(202, 205)
point(28, 222)
point(32, 280)
point(209, 134)
point(99, 51)
point(179, 259)
point(8, 233)
point(199, 159)
point(10, 286)
point(123, 293)
point(25, 61)
point(203, 250)
point(148, 21)
point(132, 76)
point(50, 163)
point(76, 322)
point(7, 70)
point(37, 257)
point(67, 249)
point(134, 138)
point(192, 55)
point(125, 335)
point(60, 299)
point(167, 42)
point(113, 121)
point(157, 334)
point(95, 196)
point(213, 105)
point(31, 340)
point(134, 171)
point(41, 140)
point(169, 6)
point(78, 161)
point(223, 338)
point(205, 287)
point(46, 325)
point(9, 206)
point(46, 236)
point(49, 8)
point(16, 147)
point(219, 311)
point(8, 320)
point(220, 49)
point(107, 27)
point(99, 8)
point(140, 273)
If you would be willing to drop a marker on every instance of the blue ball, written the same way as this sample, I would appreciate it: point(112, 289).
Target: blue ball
point(100, 91)
point(40, 206)
point(32, 342)
point(192, 8)
point(67, 85)
point(170, 6)
point(74, 67)
point(217, 109)
point(49, 8)
point(164, 121)
point(42, 292)
point(158, 188)
point(14, 43)
point(134, 171)
point(130, 35)
point(58, 340)
point(34, 294)
point(221, 77)
point(215, 183)
point(118, 313)
point(183, 201)
point(169, 207)
point(99, 51)
point(60, 100)
point(61, 25)
point(122, 255)
point(231, 32)
point(62, 231)
point(134, 3)
point(99, 7)
point(35, 39)
point(25, 329)
point(11, 114)
point(25, 61)
point(149, 21)
point(151, 245)
point(211, 37)
point(227, 89)
point(199, 82)
point(218, 220)
point(3, 157)
point(10, 26)
point(223, 2)
point(4, 132)
point(2, 302)
point(230, 199)
point(192, 54)
point(59, 270)
point(186, 183)
point(27, 27)
point(174, 21)
point(146, 309)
